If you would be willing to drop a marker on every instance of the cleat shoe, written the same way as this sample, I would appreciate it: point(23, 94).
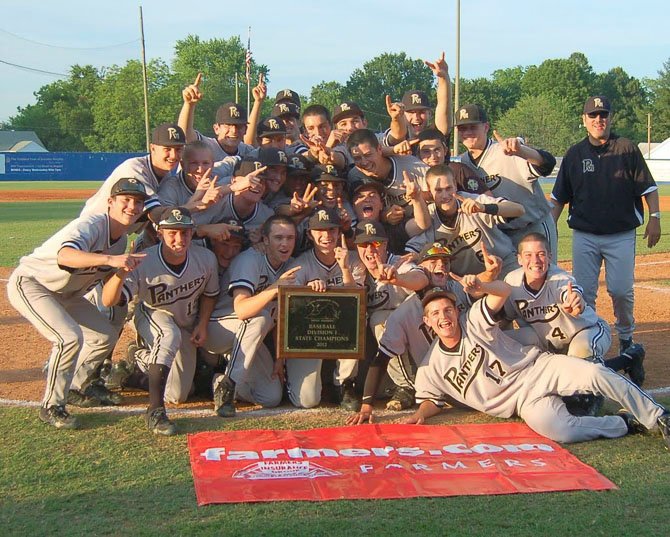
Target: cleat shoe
point(401, 399)
point(224, 398)
point(118, 375)
point(634, 426)
point(584, 404)
point(624, 344)
point(57, 416)
point(103, 394)
point(635, 370)
point(664, 426)
point(158, 422)
point(349, 399)
point(82, 400)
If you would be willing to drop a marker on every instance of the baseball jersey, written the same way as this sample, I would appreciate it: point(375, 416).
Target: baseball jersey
point(394, 191)
point(225, 210)
point(541, 309)
point(87, 234)
point(481, 371)
point(219, 153)
point(137, 167)
point(604, 186)
point(156, 284)
point(385, 295)
point(251, 270)
point(464, 238)
point(405, 330)
point(224, 302)
point(515, 179)
point(312, 269)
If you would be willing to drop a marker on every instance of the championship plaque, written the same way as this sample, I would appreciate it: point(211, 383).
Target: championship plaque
point(327, 325)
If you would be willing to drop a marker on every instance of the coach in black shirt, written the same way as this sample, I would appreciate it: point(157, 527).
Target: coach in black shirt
point(603, 178)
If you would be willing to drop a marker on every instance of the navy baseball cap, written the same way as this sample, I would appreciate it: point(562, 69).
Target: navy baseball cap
point(366, 184)
point(168, 135)
point(299, 165)
point(286, 109)
point(435, 293)
point(326, 172)
point(434, 250)
point(270, 126)
point(597, 103)
point(470, 114)
point(176, 218)
point(246, 166)
point(231, 114)
point(415, 100)
point(368, 230)
point(271, 156)
point(129, 186)
point(345, 110)
point(324, 219)
point(288, 95)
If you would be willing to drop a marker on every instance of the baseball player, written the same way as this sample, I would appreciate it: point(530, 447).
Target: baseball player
point(406, 338)
point(323, 142)
point(466, 223)
point(48, 289)
point(288, 96)
point(229, 129)
point(547, 300)
point(390, 171)
point(290, 114)
point(176, 286)
point(474, 362)
point(244, 316)
point(327, 264)
point(604, 178)
point(510, 170)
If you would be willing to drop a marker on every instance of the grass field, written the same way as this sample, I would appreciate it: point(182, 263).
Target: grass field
point(114, 478)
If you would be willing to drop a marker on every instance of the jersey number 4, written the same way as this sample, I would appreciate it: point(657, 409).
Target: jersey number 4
point(558, 333)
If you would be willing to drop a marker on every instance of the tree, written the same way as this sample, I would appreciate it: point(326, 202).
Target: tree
point(218, 60)
point(487, 94)
point(571, 79)
point(388, 74)
point(543, 121)
point(328, 94)
point(62, 116)
point(660, 103)
point(629, 100)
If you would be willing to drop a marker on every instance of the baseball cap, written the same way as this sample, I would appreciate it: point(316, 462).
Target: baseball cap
point(129, 186)
point(326, 172)
point(176, 218)
point(366, 184)
point(231, 114)
point(288, 95)
point(246, 166)
point(239, 233)
point(345, 110)
point(286, 109)
point(368, 230)
point(433, 251)
point(271, 156)
point(299, 164)
point(324, 219)
point(597, 103)
point(415, 100)
point(168, 135)
point(435, 293)
point(469, 114)
point(270, 126)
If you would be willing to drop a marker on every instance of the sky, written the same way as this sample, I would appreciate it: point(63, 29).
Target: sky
point(307, 42)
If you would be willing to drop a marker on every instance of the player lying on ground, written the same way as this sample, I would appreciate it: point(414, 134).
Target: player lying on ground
point(48, 289)
point(177, 285)
point(474, 362)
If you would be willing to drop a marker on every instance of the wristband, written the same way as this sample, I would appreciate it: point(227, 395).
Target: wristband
point(491, 208)
point(367, 399)
point(655, 215)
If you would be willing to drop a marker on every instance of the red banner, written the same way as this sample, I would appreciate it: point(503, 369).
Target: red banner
point(382, 461)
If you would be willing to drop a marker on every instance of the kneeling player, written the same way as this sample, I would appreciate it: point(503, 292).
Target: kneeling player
point(177, 285)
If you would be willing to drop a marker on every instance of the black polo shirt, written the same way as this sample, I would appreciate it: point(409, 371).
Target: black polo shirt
point(604, 186)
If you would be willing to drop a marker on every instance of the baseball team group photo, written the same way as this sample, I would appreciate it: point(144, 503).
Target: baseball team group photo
point(280, 279)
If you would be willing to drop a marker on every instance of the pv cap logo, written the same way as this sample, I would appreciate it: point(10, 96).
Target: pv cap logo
point(132, 180)
point(463, 114)
point(282, 156)
point(272, 123)
point(234, 111)
point(344, 107)
point(288, 93)
point(598, 103)
point(257, 165)
point(323, 216)
point(176, 213)
point(297, 163)
point(416, 98)
point(172, 133)
point(330, 169)
point(283, 109)
point(370, 229)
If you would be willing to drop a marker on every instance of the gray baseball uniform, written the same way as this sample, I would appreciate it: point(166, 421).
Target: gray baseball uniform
point(304, 374)
point(219, 153)
point(464, 239)
point(515, 179)
point(51, 297)
point(584, 336)
point(167, 312)
point(250, 363)
point(492, 373)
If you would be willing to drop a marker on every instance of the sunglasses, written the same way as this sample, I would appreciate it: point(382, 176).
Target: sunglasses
point(435, 251)
point(602, 114)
